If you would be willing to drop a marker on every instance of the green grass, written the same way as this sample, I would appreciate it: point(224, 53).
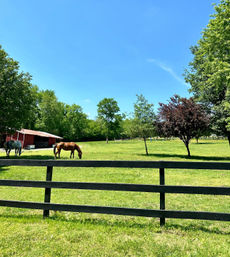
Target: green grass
point(25, 233)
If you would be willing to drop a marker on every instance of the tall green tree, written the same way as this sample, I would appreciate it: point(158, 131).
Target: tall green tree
point(51, 112)
point(108, 112)
point(75, 123)
point(17, 95)
point(144, 119)
point(209, 71)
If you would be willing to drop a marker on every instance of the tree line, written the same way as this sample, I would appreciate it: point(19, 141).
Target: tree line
point(23, 105)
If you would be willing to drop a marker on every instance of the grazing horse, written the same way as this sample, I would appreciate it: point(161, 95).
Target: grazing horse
point(12, 144)
point(68, 146)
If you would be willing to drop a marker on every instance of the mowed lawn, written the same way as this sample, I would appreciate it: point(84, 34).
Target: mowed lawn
point(24, 232)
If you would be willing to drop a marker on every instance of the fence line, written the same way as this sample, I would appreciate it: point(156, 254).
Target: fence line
point(162, 188)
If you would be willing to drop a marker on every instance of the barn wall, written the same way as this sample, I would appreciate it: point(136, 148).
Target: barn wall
point(29, 140)
point(52, 141)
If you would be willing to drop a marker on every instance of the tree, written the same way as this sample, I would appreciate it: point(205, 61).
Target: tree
point(209, 72)
point(108, 112)
point(94, 130)
point(75, 122)
point(128, 128)
point(144, 119)
point(51, 112)
point(182, 118)
point(17, 95)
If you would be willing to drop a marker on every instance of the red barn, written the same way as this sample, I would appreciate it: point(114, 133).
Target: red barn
point(38, 139)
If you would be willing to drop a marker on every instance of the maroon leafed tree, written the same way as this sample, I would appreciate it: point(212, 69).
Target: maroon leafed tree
point(182, 118)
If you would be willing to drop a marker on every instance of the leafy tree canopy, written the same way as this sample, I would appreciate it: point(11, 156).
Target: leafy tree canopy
point(182, 118)
point(209, 73)
point(17, 95)
point(144, 118)
point(50, 112)
point(108, 112)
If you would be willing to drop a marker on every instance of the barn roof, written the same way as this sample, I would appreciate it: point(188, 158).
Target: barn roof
point(37, 133)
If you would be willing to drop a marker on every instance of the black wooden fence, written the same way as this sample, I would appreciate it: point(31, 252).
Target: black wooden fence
point(162, 188)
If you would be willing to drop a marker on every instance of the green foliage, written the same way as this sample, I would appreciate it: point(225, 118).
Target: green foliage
point(94, 130)
point(209, 73)
point(75, 122)
point(144, 119)
point(108, 112)
point(17, 95)
point(128, 128)
point(50, 112)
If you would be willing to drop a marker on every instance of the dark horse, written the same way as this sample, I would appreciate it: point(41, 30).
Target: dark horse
point(68, 146)
point(12, 144)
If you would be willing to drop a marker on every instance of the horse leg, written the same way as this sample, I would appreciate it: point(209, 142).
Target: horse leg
point(59, 151)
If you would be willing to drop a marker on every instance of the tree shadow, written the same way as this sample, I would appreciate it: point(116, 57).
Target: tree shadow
point(203, 143)
point(193, 157)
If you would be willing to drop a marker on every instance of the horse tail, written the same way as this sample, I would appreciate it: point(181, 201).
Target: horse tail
point(55, 148)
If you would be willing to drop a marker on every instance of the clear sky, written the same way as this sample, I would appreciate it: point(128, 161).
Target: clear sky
point(87, 50)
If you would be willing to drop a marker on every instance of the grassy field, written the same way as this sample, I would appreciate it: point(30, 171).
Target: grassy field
point(26, 233)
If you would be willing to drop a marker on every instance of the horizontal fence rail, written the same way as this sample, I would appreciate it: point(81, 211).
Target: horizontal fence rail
point(120, 187)
point(162, 188)
point(119, 211)
point(119, 164)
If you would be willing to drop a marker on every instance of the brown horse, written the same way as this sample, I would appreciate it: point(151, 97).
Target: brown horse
point(68, 146)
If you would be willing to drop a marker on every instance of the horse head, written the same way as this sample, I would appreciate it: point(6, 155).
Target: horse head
point(79, 151)
point(80, 154)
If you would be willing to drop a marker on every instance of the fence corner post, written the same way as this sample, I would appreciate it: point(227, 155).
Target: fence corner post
point(162, 195)
point(49, 173)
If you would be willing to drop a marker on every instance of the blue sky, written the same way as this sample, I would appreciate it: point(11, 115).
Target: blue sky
point(88, 50)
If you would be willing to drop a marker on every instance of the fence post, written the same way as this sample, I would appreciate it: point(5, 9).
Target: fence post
point(162, 195)
point(49, 173)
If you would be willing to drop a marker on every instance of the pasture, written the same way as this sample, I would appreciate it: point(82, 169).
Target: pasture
point(25, 233)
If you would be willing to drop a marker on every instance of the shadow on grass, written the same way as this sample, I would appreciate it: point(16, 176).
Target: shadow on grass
point(151, 224)
point(196, 228)
point(193, 157)
point(3, 168)
point(203, 143)
point(28, 157)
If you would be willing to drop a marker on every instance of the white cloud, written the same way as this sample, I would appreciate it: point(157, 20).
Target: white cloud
point(87, 100)
point(167, 69)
